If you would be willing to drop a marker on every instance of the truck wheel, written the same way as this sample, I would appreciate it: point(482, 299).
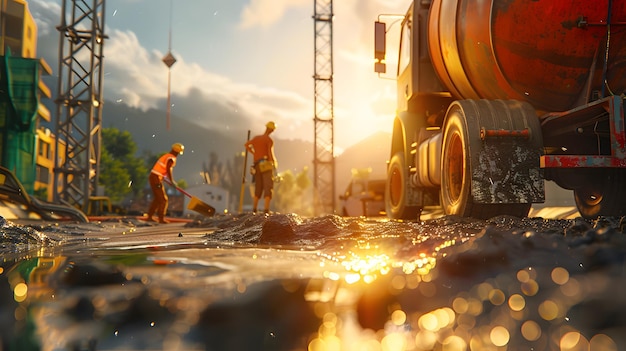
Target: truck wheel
point(395, 190)
point(456, 164)
point(455, 177)
point(602, 198)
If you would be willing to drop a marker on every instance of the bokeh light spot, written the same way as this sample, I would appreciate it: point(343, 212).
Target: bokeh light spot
point(20, 291)
point(446, 317)
point(428, 322)
point(548, 310)
point(454, 343)
point(425, 340)
point(571, 288)
point(398, 317)
point(496, 296)
point(398, 282)
point(475, 307)
point(573, 341)
point(333, 343)
point(602, 342)
point(530, 288)
point(460, 305)
point(499, 336)
point(517, 302)
point(393, 342)
point(484, 290)
point(560, 275)
point(523, 276)
point(317, 345)
point(352, 278)
point(531, 331)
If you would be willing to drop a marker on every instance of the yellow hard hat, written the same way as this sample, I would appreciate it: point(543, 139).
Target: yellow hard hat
point(271, 125)
point(178, 147)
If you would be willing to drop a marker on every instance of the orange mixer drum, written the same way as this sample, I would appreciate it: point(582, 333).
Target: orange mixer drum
point(550, 53)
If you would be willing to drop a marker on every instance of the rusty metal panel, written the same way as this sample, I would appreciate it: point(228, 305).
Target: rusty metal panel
point(581, 161)
point(610, 110)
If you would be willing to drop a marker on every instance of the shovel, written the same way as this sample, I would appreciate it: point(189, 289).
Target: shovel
point(196, 204)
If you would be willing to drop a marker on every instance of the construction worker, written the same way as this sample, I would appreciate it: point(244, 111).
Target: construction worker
point(262, 149)
point(161, 169)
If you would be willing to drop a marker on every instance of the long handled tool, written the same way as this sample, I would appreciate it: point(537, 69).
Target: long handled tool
point(196, 204)
point(243, 177)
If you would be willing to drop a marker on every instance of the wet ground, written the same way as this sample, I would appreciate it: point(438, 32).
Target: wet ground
point(282, 282)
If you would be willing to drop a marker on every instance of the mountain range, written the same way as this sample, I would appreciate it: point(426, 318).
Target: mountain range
point(150, 133)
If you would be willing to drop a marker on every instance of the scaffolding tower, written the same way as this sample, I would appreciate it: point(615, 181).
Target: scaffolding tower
point(324, 163)
point(79, 103)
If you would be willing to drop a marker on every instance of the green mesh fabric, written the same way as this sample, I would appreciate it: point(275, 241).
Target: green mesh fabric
point(19, 80)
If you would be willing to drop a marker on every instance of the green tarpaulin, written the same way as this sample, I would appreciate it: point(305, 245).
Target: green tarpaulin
point(19, 81)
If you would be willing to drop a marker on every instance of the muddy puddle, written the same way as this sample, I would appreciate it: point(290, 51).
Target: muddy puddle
point(282, 282)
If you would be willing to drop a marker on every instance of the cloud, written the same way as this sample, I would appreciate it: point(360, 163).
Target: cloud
point(206, 98)
point(47, 16)
point(136, 76)
point(264, 13)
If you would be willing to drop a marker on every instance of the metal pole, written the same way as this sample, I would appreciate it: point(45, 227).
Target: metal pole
point(243, 176)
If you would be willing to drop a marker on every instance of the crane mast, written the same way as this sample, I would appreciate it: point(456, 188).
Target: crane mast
point(79, 103)
point(324, 163)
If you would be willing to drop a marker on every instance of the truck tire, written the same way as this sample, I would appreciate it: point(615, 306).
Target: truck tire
point(456, 167)
point(604, 196)
point(456, 198)
point(396, 190)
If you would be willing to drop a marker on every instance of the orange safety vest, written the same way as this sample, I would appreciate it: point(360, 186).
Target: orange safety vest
point(160, 167)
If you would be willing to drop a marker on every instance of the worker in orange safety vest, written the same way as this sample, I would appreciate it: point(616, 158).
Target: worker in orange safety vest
point(162, 168)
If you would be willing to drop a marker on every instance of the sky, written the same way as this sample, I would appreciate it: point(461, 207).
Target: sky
point(240, 63)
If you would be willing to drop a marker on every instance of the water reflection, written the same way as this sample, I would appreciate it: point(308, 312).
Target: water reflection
point(439, 285)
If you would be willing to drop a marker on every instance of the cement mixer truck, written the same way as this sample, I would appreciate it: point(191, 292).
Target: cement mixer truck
point(497, 96)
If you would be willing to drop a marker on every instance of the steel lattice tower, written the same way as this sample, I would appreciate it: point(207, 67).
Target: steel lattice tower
point(79, 103)
point(324, 163)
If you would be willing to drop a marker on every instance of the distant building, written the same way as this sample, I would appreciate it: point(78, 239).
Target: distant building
point(18, 30)
point(26, 149)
